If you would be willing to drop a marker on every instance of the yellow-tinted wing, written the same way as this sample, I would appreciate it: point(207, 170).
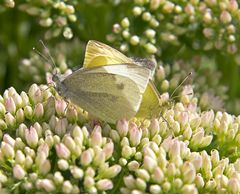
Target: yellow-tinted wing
point(106, 93)
point(99, 54)
point(150, 105)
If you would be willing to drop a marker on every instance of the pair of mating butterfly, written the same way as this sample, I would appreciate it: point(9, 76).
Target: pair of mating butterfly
point(110, 86)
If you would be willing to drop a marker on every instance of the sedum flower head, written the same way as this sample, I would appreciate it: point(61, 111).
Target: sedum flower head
point(48, 149)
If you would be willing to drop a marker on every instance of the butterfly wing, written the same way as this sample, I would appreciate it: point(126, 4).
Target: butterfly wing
point(150, 106)
point(108, 92)
point(99, 54)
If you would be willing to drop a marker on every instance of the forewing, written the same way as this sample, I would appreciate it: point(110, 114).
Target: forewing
point(99, 54)
point(107, 96)
point(138, 74)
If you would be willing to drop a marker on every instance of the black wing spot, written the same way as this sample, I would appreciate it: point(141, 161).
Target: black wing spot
point(120, 86)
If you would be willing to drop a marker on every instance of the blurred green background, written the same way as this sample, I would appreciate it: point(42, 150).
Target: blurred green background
point(184, 36)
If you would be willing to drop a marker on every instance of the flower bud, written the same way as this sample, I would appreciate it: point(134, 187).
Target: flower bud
point(3, 125)
point(31, 137)
point(137, 11)
point(10, 120)
point(18, 172)
point(155, 189)
point(134, 40)
point(143, 174)
point(61, 127)
point(28, 162)
point(189, 189)
point(70, 143)
point(150, 48)
point(8, 139)
point(46, 184)
point(149, 163)
point(96, 136)
point(115, 136)
point(225, 17)
point(7, 150)
point(108, 150)
point(133, 165)
point(122, 127)
point(135, 134)
point(86, 157)
point(20, 115)
point(77, 172)
point(189, 172)
point(129, 182)
point(88, 182)
point(62, 151)
point(58, 178)
point(67, 187)
point(111, 172)
point(104, 184)
point(233, 185)
point(28, 112)
point(20, 157)
point(10, 105)
point(166, 187)
point(63, 164)
point(38, 111)
point(125, 23)
point(157, 175)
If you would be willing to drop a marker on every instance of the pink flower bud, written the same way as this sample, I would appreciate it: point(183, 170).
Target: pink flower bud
point(31, 137)
point(18, 172)
point(122, 127)
point(96, 136)
point(62, 151)
point(8, 139)
point(45, 167)
point(72, 114)
point(225, 17)
point(61, 127)
point(10, 120)
point(10, 105)
point(149, 163)
point(108, 150)
point(86, 157)
point(135, 134)
point(154, 127)
point(104, 184)
point(38, 111)
point(46, 184)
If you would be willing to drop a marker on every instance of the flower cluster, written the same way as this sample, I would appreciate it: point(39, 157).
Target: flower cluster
point(57, 16)
point(49, 146)
point(210, 92)
point(199, 25)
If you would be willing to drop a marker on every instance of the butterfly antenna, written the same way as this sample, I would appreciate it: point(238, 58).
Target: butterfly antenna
point(41, 55)
point(180, 84)
point(48, 53)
